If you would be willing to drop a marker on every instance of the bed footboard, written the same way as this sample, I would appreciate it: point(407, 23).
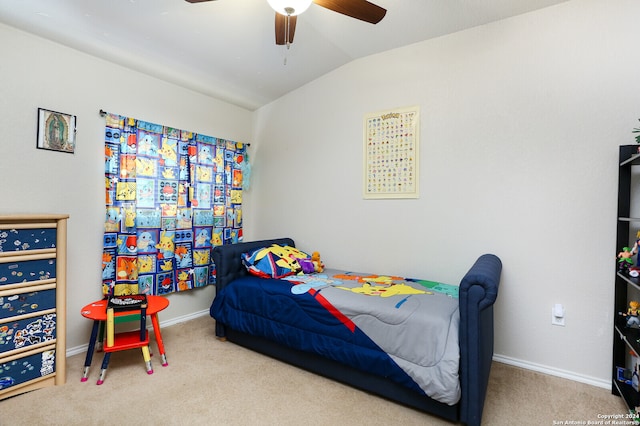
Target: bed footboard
point(478, 293)
point(228, 261)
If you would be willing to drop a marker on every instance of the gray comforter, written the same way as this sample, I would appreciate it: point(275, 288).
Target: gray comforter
point(415, 322)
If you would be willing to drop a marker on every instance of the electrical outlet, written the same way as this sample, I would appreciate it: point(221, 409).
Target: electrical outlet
point(557, 315)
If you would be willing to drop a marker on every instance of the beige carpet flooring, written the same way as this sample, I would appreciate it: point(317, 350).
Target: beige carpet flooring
point(209, 382)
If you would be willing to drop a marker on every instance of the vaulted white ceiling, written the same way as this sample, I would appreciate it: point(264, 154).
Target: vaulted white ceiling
point(226, 48)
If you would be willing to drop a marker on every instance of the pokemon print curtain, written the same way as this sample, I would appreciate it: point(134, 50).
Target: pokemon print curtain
point(171, 195)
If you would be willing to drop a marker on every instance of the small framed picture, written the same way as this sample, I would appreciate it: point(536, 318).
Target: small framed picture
point(56, 131)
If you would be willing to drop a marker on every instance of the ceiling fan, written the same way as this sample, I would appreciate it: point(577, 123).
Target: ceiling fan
point(288, 10)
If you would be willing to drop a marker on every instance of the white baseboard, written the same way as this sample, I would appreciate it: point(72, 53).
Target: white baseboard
point(173, 321)
point(606, 384)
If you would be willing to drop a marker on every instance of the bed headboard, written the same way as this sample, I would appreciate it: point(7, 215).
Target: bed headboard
point(229, 264)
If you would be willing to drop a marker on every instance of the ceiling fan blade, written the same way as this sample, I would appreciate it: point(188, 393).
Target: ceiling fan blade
point(197, 1)
point(358, 9)
point(282, 30)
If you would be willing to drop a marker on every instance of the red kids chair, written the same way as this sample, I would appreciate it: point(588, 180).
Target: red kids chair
point(133, 305)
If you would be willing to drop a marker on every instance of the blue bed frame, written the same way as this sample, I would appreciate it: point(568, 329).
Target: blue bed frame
point(478, 293)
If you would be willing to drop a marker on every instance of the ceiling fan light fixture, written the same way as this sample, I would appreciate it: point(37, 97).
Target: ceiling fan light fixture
point(289, 7)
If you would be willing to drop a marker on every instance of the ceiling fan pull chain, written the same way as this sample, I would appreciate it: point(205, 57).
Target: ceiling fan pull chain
point(287, 28)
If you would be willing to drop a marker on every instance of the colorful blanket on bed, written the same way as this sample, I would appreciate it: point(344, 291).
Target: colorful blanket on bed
point(404, 329)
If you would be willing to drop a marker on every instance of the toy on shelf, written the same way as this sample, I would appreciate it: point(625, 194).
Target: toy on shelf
point(624, 260)
point(636, 248)
point(632, 314)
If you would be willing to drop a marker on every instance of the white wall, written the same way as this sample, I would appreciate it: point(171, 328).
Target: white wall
point(37, 73)
point(521, 120)
point(520, 126)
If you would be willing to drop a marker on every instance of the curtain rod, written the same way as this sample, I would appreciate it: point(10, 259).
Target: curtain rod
point(104, 113)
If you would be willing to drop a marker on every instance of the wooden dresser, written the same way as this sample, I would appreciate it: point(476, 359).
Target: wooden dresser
point(32, 302)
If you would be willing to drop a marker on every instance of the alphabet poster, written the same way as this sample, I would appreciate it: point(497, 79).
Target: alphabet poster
point(391, 145)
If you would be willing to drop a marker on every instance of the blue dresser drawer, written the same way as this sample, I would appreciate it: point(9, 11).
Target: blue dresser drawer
point(28, 368)
point(26, 271)
point(21, 240)
point(27, 303)
point(27, 332)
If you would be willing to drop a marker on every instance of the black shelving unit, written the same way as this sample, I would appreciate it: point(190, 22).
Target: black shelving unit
point(625, 339)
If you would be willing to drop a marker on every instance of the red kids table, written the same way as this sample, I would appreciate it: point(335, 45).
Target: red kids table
point(97, 311)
